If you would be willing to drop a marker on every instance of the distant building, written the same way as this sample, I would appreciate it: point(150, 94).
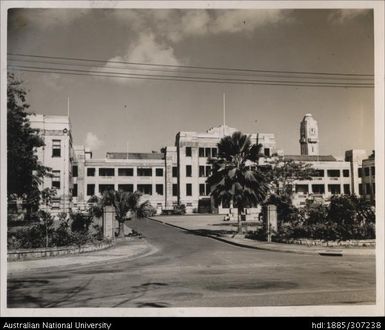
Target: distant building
point(309, 136)
point(178, 174)
point(368, 175)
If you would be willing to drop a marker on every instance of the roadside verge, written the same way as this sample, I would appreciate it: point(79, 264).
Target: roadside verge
point(124, 250)
point(278, 247)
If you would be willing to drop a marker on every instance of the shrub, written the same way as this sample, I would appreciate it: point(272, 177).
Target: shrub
point(146, 210)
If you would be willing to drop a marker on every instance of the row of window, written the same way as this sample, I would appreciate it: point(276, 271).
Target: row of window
point(334, 189)
point(204, 189)
point(146, 189)
point(105, 171)
point(367, 188)
point(331, 173)
point(367, 171)
point(203, 152)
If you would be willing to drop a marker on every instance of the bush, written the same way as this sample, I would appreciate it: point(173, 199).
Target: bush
point(146, 210)
point(44, 234)
point(345, 218)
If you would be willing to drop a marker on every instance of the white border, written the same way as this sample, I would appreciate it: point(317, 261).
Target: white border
point(361, 310)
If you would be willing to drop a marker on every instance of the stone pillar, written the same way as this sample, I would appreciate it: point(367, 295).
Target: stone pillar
point(271, 219)
point(108, 222)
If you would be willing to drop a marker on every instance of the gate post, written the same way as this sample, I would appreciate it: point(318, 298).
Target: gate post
point(271, 220)
point(108, 222)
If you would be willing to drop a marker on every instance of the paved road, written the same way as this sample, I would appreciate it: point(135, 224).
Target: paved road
point(195, 271)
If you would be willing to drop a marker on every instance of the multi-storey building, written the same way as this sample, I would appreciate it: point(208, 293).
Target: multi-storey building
point(178, 174)
point(57, 154)
point(368, 175)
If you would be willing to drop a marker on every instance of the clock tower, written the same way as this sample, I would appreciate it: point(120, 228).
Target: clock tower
point(309, 136)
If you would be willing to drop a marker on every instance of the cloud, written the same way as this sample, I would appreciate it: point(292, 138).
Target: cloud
point(148, 50)
point(342, 16)
point(92, 141)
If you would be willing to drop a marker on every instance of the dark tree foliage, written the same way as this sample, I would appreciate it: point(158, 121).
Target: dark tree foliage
point(25, 173)
point(235, 175)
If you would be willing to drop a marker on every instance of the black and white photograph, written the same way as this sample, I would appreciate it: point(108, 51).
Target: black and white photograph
point(192, 158)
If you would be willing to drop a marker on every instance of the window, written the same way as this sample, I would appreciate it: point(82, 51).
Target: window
point(159, 172)
point(318, 173)
point(159, 189)
point(145, 189)
point(75, 171)
point(201, 152)
point(56, 148)
point(345, 173)
point(360, 189)
point(334, 189)
point(373, 187)
point(174, 171)
point(318, 189)
point(142, 171)
point(126, 187)
point(208, 170)
point(188, 189)
point(333, 173)
point(202, 189)
point(56, 179)
point(188, 170)
point(106, 171)
point(201, 171)
point(75, 190)
point(214, 152)
point(207, 152)
point(90, 189)
point(266, 152)
point(105, 187)
point(346, 189)
point(366, 171)
point(175, 190)
point(125, 171)
point(373, 170)
point(90, 171)
point(188, 151)
point(368, 189)
point(302, 188)
point(360, 172)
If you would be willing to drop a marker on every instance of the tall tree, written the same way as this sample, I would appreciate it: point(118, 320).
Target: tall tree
point(284, 173)
point(123, 202)
point(25, 172)
point(235, 177)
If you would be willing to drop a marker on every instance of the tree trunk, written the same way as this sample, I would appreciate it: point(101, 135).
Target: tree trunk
point(121, 229)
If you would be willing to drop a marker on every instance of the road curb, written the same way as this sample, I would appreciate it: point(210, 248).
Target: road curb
point(321, 251)
point(149, 249)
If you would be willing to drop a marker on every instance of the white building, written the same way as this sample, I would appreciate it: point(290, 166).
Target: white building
point(178, 174)
point(57, 154)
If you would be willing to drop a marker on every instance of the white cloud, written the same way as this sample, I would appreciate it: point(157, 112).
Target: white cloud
point(148, 50)
point(92, 141)
point(342, 16)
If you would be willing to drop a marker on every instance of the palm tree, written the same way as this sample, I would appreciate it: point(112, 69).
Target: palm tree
point(123, 202)
point(235, 176)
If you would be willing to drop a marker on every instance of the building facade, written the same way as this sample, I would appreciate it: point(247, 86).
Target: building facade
point(177, 174)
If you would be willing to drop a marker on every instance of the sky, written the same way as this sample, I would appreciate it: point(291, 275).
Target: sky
point(113, 114)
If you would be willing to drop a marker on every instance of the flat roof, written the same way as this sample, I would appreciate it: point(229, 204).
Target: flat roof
point(134, 155)
point(311, 158)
